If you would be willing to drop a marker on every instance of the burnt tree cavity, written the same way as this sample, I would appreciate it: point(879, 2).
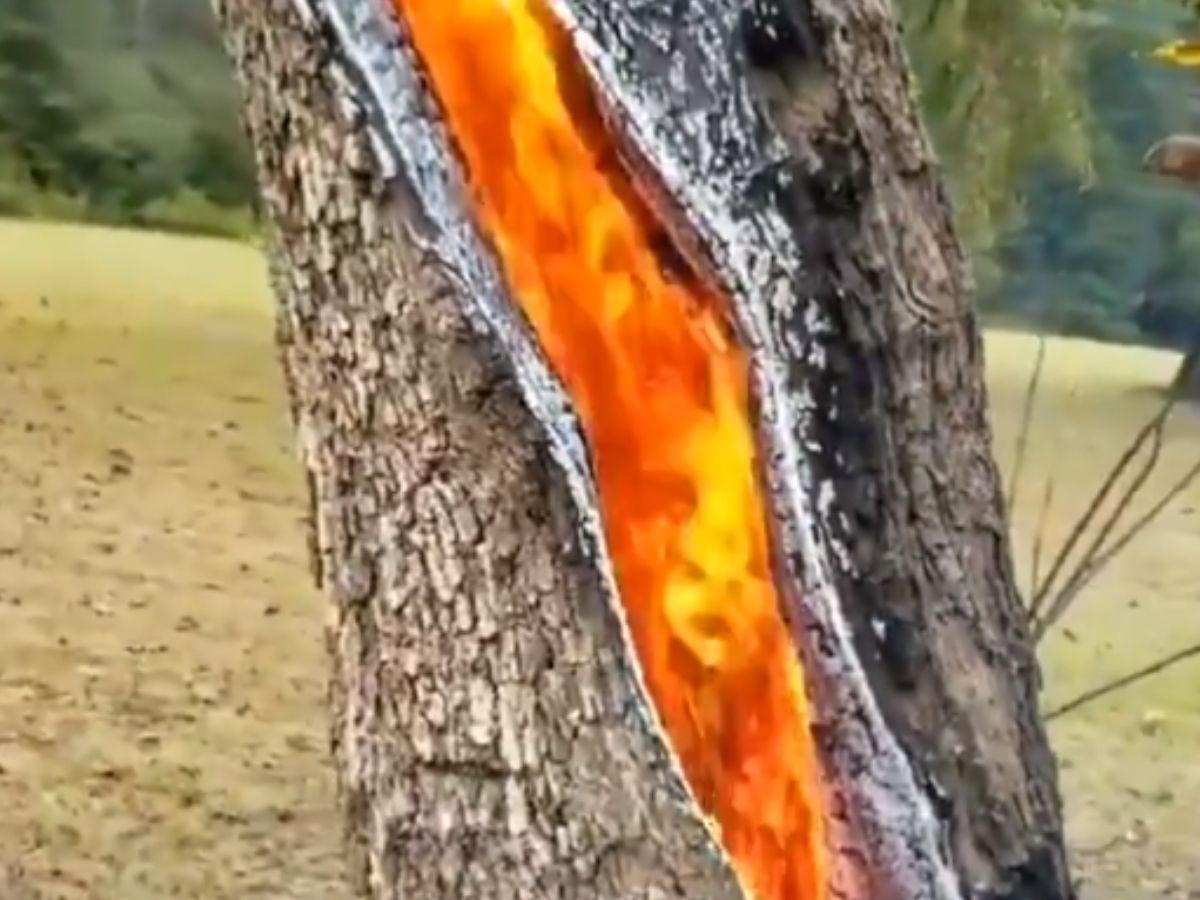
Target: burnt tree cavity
point(775, 32)
point(903, 426)
point(488, 713)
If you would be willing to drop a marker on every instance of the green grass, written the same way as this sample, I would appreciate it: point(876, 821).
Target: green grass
point(1123, 780)
point(162, 730)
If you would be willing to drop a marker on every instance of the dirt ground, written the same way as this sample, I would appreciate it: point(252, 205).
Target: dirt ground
point(162, 730)
point(161, 668)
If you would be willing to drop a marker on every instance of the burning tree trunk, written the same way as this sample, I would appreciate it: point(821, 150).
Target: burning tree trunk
point(633, 366)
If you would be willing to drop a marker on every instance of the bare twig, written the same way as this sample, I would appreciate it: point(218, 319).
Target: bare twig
point(1027, 408)
point(1124, 682)
point(1079, 574)
point(1148, 432)
point(1085, 577)
point(1039, 535)
point(1071, 572)
point(1176, 489)
point(1043, 522)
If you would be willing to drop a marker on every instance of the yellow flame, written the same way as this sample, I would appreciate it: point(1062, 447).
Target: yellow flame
point(662, 395)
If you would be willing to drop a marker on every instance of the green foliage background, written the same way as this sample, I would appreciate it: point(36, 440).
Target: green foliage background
point(1091, 252)
point(1042, 111)
point(123, 112)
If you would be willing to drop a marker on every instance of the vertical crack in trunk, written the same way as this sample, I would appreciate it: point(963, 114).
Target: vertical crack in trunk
point(615, 815)
point(662, 394)
point(652, 111)
point(700, 158)
point(717, 170)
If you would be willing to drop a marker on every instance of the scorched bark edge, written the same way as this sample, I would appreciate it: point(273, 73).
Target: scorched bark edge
point(374, 334)
point(677, 90)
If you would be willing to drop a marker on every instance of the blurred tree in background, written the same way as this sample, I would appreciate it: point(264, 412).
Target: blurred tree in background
point(1000, 88)
point(1093, 257)
point(123, 112)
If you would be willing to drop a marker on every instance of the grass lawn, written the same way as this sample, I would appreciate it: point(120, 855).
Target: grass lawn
point(1131, 761)
point(162, 731)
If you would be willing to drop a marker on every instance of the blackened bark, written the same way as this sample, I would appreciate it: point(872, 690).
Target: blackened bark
point(901, 410)
point(491, 732)
point(882, 408)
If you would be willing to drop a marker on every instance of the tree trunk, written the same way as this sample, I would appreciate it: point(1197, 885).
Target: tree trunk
point(1187, 378)
point(492, 729)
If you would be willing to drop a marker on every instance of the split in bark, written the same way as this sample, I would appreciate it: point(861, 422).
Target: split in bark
point(491, 729)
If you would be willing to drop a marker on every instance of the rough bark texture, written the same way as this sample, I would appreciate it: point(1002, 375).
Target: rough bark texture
point(905, 442)
point(492, 735)
point(489, 733)
point(679, 99)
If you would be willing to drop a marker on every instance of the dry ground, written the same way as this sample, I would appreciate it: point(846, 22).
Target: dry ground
point(1130, 762)
point(161, 671)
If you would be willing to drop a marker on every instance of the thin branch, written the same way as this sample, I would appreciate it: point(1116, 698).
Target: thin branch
point(1096, 550)
point(1043, 522)
point(1124, 682)
point(1102, 560)
point(1153, 513)
point(1027, 407)
point(1147, 432)
point(1039, 536)
point(1072, 586)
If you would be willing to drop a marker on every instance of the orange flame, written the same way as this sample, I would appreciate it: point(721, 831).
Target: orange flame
point(662, 395)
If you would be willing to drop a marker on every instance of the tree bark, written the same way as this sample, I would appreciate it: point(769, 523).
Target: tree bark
point(1187, 379)
point(491, 730)
point(484, 725)
point(901, 412)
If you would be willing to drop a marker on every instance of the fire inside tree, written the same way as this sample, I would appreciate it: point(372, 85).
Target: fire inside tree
point(635, 377)
point(662, 394)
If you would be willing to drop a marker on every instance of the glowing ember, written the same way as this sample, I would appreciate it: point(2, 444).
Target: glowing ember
point(662, 392)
